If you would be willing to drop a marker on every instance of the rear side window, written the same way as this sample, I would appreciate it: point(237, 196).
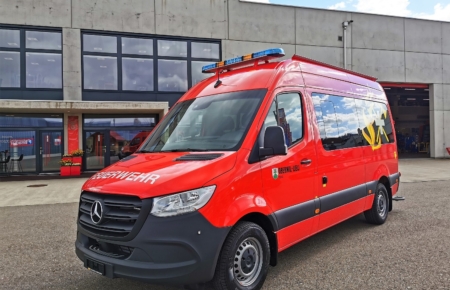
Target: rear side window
point(338, 122)
point(346, 122)
point(286, 111)
point(375, 123)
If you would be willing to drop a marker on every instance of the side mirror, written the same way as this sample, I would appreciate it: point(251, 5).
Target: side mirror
point(274, 142)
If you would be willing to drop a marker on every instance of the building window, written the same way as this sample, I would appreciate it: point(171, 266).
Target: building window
point(138, 63)
point(44, 70)
point(172, 75)
point(43, 40)
point(100, 72)
point(137, 74)
point(30, 59)
point(9, 69)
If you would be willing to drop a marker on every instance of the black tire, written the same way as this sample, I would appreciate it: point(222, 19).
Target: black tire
point(240, 265)
point(380, 208)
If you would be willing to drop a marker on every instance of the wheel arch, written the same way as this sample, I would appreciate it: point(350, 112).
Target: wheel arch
point(385, 181)
point(269, 228)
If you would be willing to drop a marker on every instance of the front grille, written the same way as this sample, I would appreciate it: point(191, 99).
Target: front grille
point(120, 214)
point(110, 249)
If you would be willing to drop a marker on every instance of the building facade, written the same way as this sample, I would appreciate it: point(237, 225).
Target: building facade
point(96, 74)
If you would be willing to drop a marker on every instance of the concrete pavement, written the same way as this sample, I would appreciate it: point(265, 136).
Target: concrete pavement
point(426, 169)
point(16, 193)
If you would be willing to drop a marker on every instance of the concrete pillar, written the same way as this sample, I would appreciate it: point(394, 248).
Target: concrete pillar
point(446, 122)
point(72, 64)
point(437, 125)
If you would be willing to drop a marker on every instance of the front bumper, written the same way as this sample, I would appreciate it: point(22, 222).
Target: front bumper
point(174, 250)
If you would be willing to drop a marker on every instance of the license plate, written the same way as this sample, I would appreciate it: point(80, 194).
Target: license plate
point(95, 267)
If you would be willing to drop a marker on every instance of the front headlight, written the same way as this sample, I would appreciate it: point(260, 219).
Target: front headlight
point(181, 203)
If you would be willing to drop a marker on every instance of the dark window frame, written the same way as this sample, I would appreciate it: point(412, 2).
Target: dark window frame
point(155, 57)
point(23, 51)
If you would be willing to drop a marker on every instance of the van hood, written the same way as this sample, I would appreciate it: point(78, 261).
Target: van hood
point(155, 174)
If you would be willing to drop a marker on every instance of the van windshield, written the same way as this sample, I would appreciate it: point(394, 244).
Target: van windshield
point(213, 123)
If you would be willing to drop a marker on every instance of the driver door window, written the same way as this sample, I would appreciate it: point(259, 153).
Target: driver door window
point(286, 111)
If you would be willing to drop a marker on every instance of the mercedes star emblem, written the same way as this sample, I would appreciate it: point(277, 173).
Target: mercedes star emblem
point(96, 212)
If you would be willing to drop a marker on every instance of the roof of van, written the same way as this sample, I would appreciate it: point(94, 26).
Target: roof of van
point(261, 76)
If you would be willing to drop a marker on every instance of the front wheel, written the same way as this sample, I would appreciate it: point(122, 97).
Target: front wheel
point(244, 260)
point(378, 213)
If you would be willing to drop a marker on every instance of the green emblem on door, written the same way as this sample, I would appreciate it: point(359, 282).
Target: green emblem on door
point(275, 173)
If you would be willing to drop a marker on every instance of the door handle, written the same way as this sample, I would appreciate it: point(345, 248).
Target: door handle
point(305, 162)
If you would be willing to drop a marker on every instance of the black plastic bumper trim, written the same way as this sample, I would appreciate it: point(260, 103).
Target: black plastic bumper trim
point(294, 214)
point(393, 178)
point(305, 210)
point(175, 250)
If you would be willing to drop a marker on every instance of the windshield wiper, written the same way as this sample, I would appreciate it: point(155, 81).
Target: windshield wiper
point(144, 151)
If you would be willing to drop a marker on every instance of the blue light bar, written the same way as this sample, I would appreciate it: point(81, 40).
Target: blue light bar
point(265, 54)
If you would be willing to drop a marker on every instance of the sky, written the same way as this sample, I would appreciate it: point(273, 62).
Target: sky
point(426, 9)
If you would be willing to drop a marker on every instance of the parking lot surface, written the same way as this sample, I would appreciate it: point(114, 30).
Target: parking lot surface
point(410, 251)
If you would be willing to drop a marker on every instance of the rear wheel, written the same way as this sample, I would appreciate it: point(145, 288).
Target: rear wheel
point(244, 260)
point(378, 213)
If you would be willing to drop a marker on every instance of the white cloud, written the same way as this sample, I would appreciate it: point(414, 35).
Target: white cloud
point(400, 8)
point(441, 13)
point(340, 5)
point(386, 7)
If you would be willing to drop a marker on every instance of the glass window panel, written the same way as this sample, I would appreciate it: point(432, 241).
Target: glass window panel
point(44, 70)
point(137, 74)
point(9, 38)
point(290, 117)
point(375, 121)
point(197, 75)
point(172, 76)
point(137, 46)
point(217, 122)
point(205, 50)
point(17, 143)
point(338, 122)
point(119, 122)
point(100, 72)
point(172, 48)
point(30, 122)
point(43, 40)
point(9, 69)
point(100, 43)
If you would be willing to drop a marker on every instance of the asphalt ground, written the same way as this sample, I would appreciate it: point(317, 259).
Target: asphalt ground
point(410, 251)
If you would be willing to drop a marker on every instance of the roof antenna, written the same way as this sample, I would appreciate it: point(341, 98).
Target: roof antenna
point(219, 82)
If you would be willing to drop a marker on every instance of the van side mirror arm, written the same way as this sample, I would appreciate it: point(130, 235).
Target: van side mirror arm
point(274, 142)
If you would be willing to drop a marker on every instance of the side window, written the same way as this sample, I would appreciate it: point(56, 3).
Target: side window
point(338, 122)
point(286, 111)
point(375, 120)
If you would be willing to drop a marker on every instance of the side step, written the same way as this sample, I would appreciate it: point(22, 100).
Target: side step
point(398, 198)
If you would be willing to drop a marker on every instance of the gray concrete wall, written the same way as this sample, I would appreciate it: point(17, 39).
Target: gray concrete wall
point(55, 13)
point(72, 64)
point(393, 49)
